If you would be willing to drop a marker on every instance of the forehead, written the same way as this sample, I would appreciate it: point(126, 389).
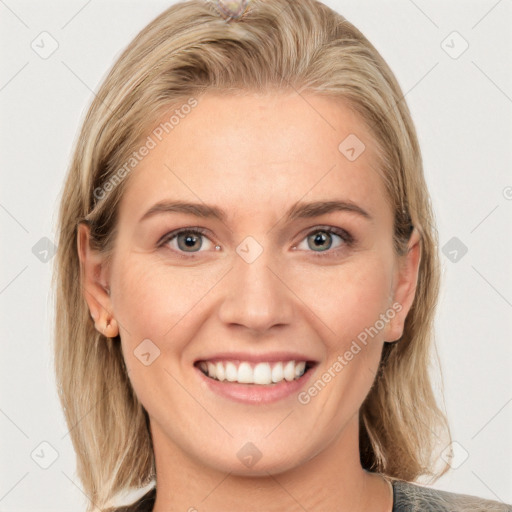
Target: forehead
point(258, 152)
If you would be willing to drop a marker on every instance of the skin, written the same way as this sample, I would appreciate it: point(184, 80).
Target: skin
point(255, 156)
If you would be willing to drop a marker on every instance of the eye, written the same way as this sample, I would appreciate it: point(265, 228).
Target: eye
point(320, 240)
point(190, 241)
point(186, 240)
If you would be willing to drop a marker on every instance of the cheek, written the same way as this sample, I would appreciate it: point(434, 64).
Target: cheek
point(152, 298)
point(139, 303)
point(347, 298)
point(156, 303)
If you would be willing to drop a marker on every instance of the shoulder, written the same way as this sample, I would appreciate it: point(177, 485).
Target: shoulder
point(407, 497)
point(410, 497)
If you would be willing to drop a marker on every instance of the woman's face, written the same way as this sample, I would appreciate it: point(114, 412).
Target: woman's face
point(269, 280)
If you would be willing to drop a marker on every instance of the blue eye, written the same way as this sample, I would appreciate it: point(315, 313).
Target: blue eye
point(192, 240)
point(321, 238)
point(189, 241)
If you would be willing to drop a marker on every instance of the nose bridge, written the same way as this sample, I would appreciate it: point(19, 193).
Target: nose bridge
point(256, 296)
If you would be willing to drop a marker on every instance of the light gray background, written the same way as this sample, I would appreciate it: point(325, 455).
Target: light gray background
point(462, 108)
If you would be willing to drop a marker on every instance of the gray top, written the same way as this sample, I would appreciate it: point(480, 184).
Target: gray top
point(407, 497)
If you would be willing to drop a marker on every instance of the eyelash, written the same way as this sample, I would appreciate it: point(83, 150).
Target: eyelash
point(347, 238)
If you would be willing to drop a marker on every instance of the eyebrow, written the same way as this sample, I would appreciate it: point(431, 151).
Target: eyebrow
point(299, 210)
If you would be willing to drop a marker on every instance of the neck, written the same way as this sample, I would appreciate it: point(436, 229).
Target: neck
point(184, 484)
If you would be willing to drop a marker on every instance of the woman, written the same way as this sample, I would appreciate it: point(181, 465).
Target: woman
point(248, 217)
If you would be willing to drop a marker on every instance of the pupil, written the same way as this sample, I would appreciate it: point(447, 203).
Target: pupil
point(320, 238)
point(189, 241)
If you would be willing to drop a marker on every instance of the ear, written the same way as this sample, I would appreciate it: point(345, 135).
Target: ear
point(94, 275)
point(403, 288)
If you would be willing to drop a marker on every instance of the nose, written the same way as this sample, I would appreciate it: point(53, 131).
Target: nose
point(256, 295)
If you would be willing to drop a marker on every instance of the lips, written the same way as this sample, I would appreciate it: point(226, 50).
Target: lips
point(255, 383)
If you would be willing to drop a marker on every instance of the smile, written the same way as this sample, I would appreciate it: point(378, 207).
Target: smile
point(261, 382)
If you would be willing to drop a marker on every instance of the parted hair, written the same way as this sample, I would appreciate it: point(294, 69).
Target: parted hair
point(292, 45)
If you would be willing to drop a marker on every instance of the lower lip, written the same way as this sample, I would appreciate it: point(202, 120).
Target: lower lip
point(255, 393)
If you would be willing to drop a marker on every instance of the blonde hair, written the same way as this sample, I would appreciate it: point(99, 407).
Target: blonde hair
point(187, 50)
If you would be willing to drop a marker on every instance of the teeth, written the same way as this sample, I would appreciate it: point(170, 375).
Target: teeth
point(231, 372)
point(245, 373)
point(262, 374)
point(212, 370)
point(289, 371)
point(248, 373)
point(277, 373)
point(220, 373)
point(300, 368)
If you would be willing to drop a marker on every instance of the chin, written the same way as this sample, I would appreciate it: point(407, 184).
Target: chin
point(250, 460)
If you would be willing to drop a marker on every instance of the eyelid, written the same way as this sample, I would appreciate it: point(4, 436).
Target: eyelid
point(174, 233)
point(342, 233)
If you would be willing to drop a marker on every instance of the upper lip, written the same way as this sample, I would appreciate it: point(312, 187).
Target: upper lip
point(270, 357)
